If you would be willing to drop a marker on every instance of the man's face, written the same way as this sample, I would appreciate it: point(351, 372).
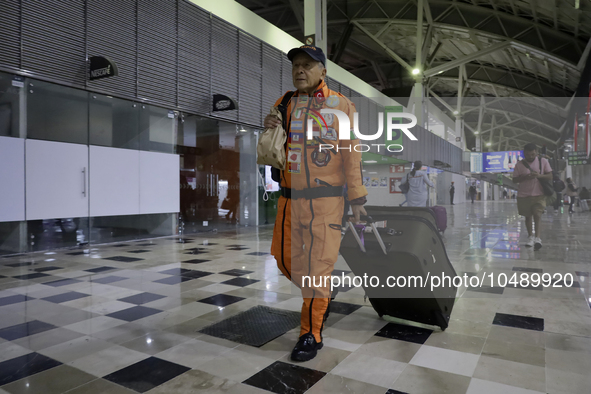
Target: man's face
point(530, 156)
point(306, 73)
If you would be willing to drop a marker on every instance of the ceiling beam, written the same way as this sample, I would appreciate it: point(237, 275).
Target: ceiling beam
point(507, 124)
point(384, 46)
point(442, 101)
point(480, 114)
point(431, 57)
point(512, 2)
point(419, 36)
point(529, 137)
point(384, 29)
point(540, 138)
point(460, 90)
point(342, 44)
point(428, 14)
point(503, 17)
point(584, 56)
point(496, 85)
point(426, 46)
point(298, 12)
point(466, 59)
point(379, 74)
point(466, 30)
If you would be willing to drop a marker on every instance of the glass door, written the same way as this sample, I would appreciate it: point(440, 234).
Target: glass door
point(213, 188)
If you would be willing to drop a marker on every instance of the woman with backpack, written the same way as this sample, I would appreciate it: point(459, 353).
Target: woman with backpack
point(571, 192)
point(418, 181)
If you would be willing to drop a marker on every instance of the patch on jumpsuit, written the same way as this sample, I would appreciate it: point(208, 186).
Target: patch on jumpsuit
point(294, 158)
point(321, 159)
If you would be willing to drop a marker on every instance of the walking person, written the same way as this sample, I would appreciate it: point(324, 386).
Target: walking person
point(572, 193)
point(472, 192)
point(452, 191)
point(417, 193)
point(531, 201)
point(307, 232)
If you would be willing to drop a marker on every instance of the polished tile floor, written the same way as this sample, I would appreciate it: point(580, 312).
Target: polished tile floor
point(125, 318)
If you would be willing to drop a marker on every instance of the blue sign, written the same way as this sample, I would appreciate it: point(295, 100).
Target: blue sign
point(500, 161)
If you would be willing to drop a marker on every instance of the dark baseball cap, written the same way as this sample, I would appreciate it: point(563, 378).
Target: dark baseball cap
point(314, 52)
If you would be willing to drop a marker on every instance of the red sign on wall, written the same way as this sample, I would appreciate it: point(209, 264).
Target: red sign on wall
point(394, 183)
point(394, 168)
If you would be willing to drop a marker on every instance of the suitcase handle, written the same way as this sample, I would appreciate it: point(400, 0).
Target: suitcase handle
point(374, 230)
point(351, 226)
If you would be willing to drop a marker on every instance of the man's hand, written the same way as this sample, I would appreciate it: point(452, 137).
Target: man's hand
point(271, 121)
point(358, 210)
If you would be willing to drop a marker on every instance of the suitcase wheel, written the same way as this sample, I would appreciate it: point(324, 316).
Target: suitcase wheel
point(442, 320)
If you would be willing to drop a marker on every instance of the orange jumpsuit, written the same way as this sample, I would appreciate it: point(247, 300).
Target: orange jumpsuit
point(307, 232)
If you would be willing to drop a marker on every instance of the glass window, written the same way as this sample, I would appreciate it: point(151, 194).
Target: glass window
point(50, 234)
point(10, 93)
point(114, 122)
point(157, 129)
point(107, 229)
point(11, 239)
point(56, 113)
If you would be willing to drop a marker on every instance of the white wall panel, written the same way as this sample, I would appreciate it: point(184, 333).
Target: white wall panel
point(12, 179)
point(159, 183)
point(56, 180)
point(114, 181)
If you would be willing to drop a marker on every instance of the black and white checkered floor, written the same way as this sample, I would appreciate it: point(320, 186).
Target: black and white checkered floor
point(126, 318)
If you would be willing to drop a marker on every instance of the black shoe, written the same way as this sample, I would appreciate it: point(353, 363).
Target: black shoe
point(306, 348)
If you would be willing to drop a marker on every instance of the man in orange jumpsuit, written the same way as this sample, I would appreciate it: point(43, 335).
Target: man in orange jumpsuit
point(307, 233)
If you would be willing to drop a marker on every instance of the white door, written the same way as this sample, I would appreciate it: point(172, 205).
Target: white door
point(114, 181)
point(56, 180)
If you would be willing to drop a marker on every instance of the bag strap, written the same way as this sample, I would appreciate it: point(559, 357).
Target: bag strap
point(540, 164)
point(526, 165)
point(286, 97)
point(283, 107)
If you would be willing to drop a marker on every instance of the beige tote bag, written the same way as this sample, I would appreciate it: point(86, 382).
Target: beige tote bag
point(271, 146)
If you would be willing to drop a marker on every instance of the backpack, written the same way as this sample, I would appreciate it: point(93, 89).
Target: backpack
point(558, 184)
point(405, 187)
point(276, 172)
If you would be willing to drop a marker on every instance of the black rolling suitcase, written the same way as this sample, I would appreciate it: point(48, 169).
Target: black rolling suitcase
point(407, 245)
